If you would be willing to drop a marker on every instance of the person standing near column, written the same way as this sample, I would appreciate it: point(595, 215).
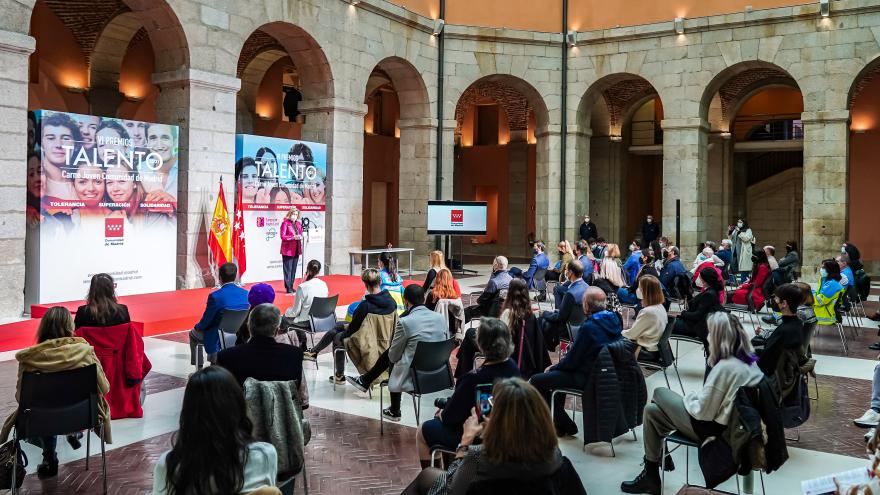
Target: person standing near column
point(291, 246)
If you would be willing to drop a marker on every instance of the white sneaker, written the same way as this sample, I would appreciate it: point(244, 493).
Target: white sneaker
point(868, 420)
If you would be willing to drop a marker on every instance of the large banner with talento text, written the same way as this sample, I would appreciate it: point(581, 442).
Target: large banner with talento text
point(101, 197)
point(272, 175)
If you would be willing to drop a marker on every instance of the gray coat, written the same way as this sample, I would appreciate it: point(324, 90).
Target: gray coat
point(421, 324)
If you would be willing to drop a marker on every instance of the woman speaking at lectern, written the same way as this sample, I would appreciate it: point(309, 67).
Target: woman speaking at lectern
point(291, 246)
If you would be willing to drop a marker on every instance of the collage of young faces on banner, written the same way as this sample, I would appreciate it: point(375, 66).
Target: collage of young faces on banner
point(272, 175)
point(101, 197)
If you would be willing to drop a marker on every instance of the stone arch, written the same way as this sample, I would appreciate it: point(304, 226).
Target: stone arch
point(313, 68)
point(516, 96)
point(105, 63)
point(617, 91)
point(409, 85)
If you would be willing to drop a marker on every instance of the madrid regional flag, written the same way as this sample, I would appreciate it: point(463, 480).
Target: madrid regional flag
point(220, 237)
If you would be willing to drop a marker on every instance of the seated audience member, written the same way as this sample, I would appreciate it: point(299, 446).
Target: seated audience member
point(553, 323)
point(755, 282)
point(788, 335)
point(804, 313)
point(628, 295)
point(437, 263)
point(377, 301)
point(610, 276)
point(701, 413)
point(692, 322)
point(651, 320)
point(706, 258)
point(445, 287)
point(297, 315)
point(672, 267)
point(58, 350)
point(601, 327)
point(585, 256)
point(260, 293)
point(855, 257)
point(261, 357)
point(228, 296)
point(847, 277)
point(445, 429)
point(389, 280)
point(600, 248)
point(214, 450)
point(566, 255)
point(770, 251)
point(517, 433)
point(540, 261)
point(498, 281)
point(529, 350)
point(418, 324)
point(792, 260)
point(829, 291)
point(633, 261)
point(725, 254)
point(101, 308)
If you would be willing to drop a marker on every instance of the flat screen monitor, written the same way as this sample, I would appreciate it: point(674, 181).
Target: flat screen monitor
point(457, 217)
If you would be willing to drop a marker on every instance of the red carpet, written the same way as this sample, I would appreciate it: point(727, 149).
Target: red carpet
point(166, 312)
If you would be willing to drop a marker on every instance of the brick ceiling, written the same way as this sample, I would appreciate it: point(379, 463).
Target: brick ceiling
point(516, 106)
point(86, 19)
point(621, 95)
point(866, 79)
point(258, 42)
point(734, 89)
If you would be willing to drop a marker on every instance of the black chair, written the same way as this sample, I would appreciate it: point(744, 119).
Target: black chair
point(677, 438)
point(575, 320)
point(230, 321)
point(430, 372)
point(52, 404)
point(539, 283)
point(664, 357)
point(322, 318)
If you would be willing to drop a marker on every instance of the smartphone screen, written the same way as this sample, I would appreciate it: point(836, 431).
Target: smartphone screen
point(484, 400)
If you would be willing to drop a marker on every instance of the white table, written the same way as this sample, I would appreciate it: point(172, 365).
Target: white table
point(367, 252)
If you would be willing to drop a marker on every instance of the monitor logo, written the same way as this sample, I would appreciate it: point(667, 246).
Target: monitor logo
point(457, 218)
point(113, 227)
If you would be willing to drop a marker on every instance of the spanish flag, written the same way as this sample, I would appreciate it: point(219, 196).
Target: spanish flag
point(220, 236)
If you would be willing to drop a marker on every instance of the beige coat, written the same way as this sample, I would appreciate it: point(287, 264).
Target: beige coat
point(370, 341)
point(66, 353)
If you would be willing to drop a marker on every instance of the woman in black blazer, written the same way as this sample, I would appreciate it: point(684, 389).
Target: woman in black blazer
point(692, 323)
point(101, 308)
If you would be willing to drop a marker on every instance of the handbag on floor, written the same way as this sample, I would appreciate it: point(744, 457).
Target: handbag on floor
point(7, 450)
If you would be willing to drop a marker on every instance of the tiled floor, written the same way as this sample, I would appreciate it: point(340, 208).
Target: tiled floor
point(348, 456)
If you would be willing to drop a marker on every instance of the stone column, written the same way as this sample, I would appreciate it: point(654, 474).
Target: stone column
point(579, 167)
point(15, 48)
point(720, 187)
point(547, 185)
point(605, 186)
point(685, 143)
point(203, 105)
point(418, 175)
point(340, 125)
point(825, 186)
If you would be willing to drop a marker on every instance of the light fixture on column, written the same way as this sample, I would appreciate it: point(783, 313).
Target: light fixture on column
point(571, 38)
point(825, 8)
point(353, 2)
point(438, 27)
point(76, 89)
point(726, 135)
point(678, 24)
point(615, 139)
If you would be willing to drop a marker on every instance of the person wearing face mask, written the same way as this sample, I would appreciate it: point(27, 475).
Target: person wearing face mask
point(792, 260)
point(566, 255)
point(630, 295)
point(829, 291)
point(633, 261)
point(788, 335)
point(539, 261)
point(552, 323)
point(855, 257)
point(588, 229)
point(650, 231)
point(755, 283)
point(692, 323)
point(743, 245)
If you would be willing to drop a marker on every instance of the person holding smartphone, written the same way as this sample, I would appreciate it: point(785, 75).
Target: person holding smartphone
point(518, 450)
point(446, 428)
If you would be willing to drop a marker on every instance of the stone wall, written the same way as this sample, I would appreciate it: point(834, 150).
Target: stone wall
point(336, 46)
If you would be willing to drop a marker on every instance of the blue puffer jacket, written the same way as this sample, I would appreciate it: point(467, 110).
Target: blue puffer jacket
point(599, 329)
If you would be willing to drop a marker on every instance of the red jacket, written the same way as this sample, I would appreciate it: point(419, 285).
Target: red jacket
point(739, 297)
point(120, 349)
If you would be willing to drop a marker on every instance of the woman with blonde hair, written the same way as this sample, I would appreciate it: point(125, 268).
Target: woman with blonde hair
point(519, 449)
point(651, 320)
point(437, 263)
point(701, 413)
point(566, 256)
point(291, 246)
point(58, 350)
point(610, 269)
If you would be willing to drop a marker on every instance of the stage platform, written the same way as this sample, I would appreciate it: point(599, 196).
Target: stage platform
point(168, 312)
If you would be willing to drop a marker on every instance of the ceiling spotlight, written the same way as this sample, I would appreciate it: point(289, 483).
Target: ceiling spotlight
point(571, 38)
point(678, 24)
point(353, 2)
point(825, 8)
point(438, 26)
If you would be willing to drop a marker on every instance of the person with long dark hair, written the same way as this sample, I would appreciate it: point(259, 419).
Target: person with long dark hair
point(829, 291)
point(529, 351)
point(58, 350)
point(692, 322)
point(101, 309)
point(297, 316)
point(743, 246)
point(214, 450)
point(755, 283)
point(291, 246)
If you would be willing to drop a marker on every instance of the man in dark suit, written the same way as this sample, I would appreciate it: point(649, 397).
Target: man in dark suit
point(228, 296)
point(552, 323)
point(261, 357)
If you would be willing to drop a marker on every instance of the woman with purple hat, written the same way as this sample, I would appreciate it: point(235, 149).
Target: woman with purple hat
point(259, 294)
